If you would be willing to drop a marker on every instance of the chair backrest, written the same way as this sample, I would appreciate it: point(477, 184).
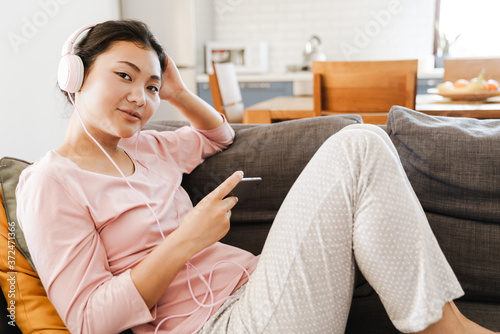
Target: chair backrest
point(226, 92)
point(369, 88)
point(468, 68)
point(215, 92)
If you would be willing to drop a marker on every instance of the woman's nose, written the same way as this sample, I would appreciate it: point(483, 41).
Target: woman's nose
point(137, 95)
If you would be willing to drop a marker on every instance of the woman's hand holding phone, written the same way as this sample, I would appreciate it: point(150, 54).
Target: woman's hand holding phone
point(204, 225)
point(209, 220)
point(245, 187)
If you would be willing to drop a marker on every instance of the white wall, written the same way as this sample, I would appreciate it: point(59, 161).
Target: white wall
point(33, 113)
point(349, 29)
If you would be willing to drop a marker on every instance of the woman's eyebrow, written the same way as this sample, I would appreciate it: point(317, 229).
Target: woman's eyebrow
point(136, 68)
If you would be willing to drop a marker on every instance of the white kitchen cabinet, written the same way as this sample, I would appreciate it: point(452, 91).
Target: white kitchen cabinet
point(252, 92)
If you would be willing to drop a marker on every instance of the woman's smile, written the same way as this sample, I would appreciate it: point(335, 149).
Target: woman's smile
point(130, 114)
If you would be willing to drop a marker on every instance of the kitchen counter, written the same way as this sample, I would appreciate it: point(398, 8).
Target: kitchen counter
point(436, 73)
point(266, 77)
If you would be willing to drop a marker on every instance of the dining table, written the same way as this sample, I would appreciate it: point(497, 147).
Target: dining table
point(437, 105)
point(295, 107)
point(279, 108)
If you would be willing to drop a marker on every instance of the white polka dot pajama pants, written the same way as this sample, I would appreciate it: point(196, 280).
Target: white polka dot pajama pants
point(352, 202)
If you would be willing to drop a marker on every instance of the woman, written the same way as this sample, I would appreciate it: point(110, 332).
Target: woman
point(124, 248)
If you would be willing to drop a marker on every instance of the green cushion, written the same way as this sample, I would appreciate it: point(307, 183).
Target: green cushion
point(10, 169)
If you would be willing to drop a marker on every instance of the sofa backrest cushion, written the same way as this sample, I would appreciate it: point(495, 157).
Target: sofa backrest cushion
point(452, 162)
point(275, 152)
point(453, 165)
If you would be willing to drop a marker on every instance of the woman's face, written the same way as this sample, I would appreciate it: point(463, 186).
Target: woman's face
point(120, 92)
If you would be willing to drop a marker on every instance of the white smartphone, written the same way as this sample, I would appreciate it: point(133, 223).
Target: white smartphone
point(245, 187)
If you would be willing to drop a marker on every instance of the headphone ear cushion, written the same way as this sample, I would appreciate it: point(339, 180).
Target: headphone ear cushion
point(70, 73)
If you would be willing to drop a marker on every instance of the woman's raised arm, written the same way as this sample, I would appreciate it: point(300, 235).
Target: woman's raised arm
point(201, 114)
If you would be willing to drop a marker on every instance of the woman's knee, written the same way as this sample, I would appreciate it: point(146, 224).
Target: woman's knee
point(365, 133)
point(357, 139)
point(359, 132)
point(366, 127)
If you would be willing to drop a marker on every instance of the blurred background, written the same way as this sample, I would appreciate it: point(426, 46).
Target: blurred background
point(267, 39)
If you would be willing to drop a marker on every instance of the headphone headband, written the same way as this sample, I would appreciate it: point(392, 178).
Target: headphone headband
point(68, 45)
point(70, 72)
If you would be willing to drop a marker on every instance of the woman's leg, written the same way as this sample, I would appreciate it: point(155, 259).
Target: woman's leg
point(471, 326)
point(353, 200)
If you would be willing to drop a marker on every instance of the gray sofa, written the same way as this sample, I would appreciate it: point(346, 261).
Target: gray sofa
point(452, 163)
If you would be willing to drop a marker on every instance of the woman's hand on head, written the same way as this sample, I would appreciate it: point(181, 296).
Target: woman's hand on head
point(199, 113)
point(209, 220)
point(172, 83)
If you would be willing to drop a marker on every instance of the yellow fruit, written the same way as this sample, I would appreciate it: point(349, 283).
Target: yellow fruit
point(478, 83)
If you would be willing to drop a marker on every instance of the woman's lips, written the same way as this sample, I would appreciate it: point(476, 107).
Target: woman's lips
point(133, 114)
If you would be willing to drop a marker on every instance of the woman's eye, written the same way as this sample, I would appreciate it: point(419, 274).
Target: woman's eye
point(153, 89)
point(124, 75)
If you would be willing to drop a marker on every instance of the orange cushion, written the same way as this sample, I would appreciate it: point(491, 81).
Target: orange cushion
point(25, 295)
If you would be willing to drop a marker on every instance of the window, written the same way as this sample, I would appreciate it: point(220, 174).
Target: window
point(470, 27)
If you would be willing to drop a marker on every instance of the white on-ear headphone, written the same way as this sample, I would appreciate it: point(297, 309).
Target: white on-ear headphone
point(70, 72)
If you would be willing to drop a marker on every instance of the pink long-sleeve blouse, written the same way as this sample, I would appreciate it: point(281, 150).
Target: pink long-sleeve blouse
point(85, 231)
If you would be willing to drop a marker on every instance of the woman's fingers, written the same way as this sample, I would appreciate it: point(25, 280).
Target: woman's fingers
point(209, 220)
point(229, 203)
point(225, 187)
point(172, 82)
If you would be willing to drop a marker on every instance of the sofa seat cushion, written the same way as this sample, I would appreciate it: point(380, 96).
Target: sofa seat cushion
point(453, 165)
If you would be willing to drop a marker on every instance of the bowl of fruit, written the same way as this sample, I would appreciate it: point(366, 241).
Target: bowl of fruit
point(476, 89)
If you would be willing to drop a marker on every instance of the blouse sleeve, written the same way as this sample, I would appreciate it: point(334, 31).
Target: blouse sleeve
point(187, 146)
point(74, 270)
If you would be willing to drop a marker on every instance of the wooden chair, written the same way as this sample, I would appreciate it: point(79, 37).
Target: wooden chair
point(226, 93)
point(366, 88)
point(215, 92)
point(468, 68)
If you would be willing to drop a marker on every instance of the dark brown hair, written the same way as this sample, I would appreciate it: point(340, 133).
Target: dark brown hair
point(101, 37)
